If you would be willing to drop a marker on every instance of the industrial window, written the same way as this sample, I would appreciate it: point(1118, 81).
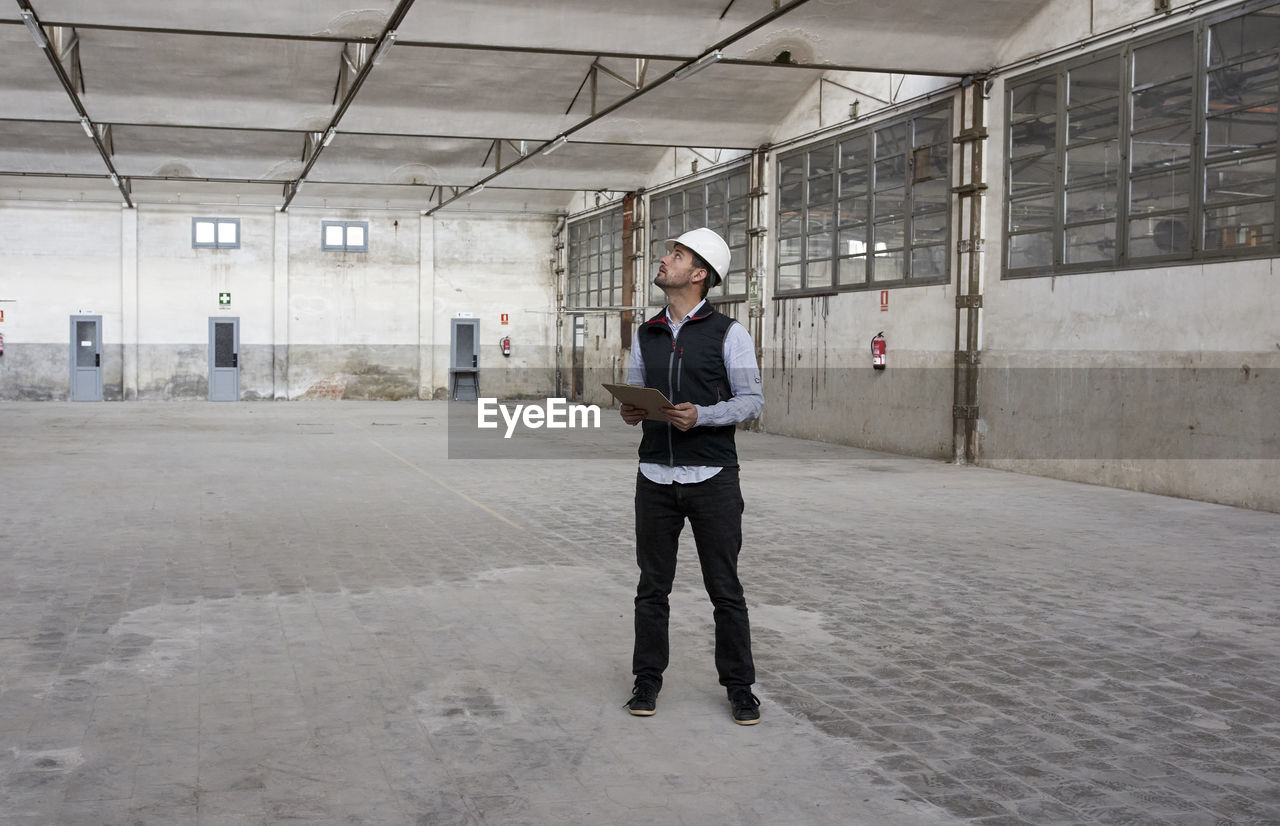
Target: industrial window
point(869, 208)
point(344, 236)
point(719, 203)
point(595, 261)
point(1162, 151)
point(215, 233)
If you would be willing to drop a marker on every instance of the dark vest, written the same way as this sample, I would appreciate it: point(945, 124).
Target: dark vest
point(687, 368)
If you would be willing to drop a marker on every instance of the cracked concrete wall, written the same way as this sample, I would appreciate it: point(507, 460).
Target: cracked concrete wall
point(313, 324)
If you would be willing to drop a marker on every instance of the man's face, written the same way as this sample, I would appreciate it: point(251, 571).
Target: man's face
point(676, 269)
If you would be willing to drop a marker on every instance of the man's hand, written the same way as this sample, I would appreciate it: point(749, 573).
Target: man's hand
point(631, 414)
point(683, 415)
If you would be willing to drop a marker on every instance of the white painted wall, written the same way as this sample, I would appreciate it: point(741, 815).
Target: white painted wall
point(313, 324)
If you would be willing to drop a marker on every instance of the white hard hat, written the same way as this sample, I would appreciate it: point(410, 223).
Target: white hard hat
point(710, 247)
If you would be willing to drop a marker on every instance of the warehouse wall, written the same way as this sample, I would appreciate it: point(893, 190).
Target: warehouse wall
point(313, 324)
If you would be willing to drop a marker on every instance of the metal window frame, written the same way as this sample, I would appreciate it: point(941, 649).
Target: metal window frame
point(1197, 169)
point(587, 285)
point(344, 246)
point(945, 106)
point(215, 244)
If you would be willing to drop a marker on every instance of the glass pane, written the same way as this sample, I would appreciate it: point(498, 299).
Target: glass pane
point(853, 211)
point(1246, 225)
point(695, 201)
point(1243, 84)
point(658, 209)
point(891, 204)
point(933, 128)
point(791, 195)
point(204, 232)
point(738, 210)
point(853, 181)
point(738, 258)
point(1033, 173)
point(789, 223)
point(227, 232)
point(789, 250)
point(1093, 161)
point(930, 163)
point(737, 234)
point(818, 274)
point(790, 170)
point(1031, 250)
point(1241, 130)
point(821, 191)
point(853, 241)
point(1159, 236)
point(853, 270)
point(1161, 147)
point(224, 347)
point(890, 235)
point(817, 248)
point(333, 235)
point(819, 219)
point(929, 262)
point(789, 278)
point(821, 161)
point(1093, 121)
point(930, 195)
point(929, 229)
point(86, 343)
point(1036, 211)
point(1034, 136)
point(1165, 105)
point(855, 152)
point(891, 172)
point(1039, 97)
point(1161, 192)
point(1244, 35)
point(893, 140)
point(1164, 60)
point(1093, 242)
point(737, 284)
point(1091, 203)
point(1095, 81)
point(1236, 180)
point(887, 266)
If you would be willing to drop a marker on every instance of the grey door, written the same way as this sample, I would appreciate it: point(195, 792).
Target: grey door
point(86, 358)
point(464, 359)
point(579, 355)
point(224, 359)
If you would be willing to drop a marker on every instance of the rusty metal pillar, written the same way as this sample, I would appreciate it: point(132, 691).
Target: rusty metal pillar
point(970, 192)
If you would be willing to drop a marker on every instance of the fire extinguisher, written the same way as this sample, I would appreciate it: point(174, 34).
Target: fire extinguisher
point(506, 346)
point(878, 347)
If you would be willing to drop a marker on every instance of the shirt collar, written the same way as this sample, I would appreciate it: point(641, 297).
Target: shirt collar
point(695, 309)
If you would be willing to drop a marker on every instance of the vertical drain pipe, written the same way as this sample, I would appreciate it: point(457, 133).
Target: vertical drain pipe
point(972, 135)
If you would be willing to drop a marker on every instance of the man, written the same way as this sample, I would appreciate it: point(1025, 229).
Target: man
point(705, 364)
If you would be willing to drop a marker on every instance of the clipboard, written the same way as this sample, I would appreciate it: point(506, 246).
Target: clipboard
point(649, 398)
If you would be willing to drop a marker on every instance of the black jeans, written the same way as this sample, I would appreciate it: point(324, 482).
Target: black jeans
point(714, 510)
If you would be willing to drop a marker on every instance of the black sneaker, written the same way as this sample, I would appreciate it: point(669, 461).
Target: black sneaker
point(644, 699)
point(746, 707)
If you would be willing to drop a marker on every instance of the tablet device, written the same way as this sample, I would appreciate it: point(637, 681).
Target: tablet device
point(650, 399)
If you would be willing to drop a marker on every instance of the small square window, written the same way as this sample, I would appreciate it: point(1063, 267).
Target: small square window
point(345, 236)
point(215, 233)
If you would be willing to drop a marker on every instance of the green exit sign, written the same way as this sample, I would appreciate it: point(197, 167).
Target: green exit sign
point(224, 299)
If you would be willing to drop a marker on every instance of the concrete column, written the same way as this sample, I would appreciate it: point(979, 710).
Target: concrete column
point(129, 303)
point(280, 309)
point(426, 306)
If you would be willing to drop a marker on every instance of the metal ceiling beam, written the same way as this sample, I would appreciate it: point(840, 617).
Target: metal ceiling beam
point(681, 69)
point(541, 50)
point(100, 135)
point(312, 147)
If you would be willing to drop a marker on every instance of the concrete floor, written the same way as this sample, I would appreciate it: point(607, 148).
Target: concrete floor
point(305, 612)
